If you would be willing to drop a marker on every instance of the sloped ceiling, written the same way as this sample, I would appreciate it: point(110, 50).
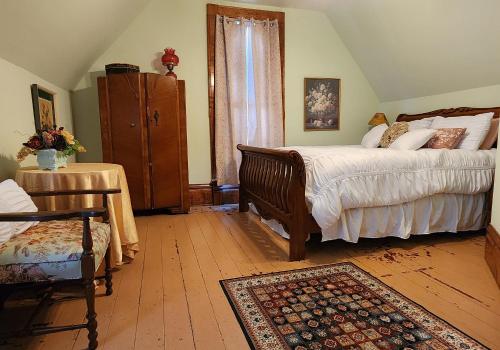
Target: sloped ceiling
point(416, 48)
point(405, 48)
point(59, 39)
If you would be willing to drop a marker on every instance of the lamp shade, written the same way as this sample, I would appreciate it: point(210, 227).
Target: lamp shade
point(169, 57)
point(377, 119)
point(170, 60)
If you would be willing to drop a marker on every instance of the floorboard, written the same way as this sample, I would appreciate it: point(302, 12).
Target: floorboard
point(169, 297)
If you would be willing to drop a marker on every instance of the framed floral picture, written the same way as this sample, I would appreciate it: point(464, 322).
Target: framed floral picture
point(321, 104)
point(43, 107)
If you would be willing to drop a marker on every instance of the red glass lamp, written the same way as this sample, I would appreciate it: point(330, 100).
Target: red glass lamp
point(170, 60)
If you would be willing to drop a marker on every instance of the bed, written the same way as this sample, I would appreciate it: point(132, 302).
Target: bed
point(437, 190)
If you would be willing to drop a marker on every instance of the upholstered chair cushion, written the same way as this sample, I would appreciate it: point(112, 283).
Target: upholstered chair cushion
point(50, 251)
point(395, 130)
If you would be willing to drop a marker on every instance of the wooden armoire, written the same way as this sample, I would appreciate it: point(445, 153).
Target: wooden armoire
point(143, 128)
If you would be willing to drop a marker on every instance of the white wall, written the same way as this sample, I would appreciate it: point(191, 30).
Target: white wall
point(16, 113)
point(312, 49)
point(482, 97)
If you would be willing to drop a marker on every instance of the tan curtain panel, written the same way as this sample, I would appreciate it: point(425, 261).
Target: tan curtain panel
point(248, 99)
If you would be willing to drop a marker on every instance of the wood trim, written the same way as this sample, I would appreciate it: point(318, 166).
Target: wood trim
point(52, 215)
point(145, 139)
point(212, 11)
point(492, 252)
point(228, 194)
point(73, 192)
point(107, 145)
point(200, 195)
point(208, 194)
point(183, 157)
point(449, 112)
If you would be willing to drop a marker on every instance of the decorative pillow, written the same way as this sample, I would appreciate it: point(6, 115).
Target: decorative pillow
point(477, 127)
point(491, 136)
point(372, 137)
point(413, 140)
point(14, 199)
point(446, 138)
point(420, 124)
point(392, 133)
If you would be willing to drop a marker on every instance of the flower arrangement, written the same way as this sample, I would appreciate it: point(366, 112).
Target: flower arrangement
point(321, 100)
point(58, 139)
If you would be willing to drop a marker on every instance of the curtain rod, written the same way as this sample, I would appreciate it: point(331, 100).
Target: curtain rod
point(240, 19)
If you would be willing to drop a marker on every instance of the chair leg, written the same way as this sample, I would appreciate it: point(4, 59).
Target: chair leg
point(108, 275)
point(88, 277)
point(91, 314)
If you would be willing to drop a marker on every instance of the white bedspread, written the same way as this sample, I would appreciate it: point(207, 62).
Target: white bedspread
point(345, 177)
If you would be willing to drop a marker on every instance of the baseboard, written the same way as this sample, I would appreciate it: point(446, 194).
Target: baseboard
point(208, 194)
point(200, 195)
point(492, 252)
point(227, 194)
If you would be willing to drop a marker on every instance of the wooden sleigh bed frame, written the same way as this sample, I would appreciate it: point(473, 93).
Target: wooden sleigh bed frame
point(274, 181)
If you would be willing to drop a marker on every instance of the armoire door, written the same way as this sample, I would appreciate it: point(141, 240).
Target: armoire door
point(127, 132)
point(164, 140)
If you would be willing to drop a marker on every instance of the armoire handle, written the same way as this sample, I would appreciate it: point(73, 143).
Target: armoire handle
point(156, 117)
point(132, 125)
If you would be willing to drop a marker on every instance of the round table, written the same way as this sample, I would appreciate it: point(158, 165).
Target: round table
point(85, 176)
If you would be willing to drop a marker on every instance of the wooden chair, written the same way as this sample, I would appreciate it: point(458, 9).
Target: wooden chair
point(50, 265)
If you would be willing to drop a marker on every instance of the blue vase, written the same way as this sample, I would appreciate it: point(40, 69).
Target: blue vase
point(50, 159)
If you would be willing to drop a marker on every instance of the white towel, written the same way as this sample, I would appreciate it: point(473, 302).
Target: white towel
point(13, 199)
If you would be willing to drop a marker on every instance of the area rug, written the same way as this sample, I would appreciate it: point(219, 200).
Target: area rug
point(337, 306)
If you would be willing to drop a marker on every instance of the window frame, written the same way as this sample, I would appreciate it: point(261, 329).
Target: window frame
point(229, 11)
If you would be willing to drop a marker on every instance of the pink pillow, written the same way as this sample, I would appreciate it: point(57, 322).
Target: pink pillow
point(491, 136)
point(446, 138)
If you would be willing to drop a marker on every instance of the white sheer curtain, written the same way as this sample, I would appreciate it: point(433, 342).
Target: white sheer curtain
point(248, 99)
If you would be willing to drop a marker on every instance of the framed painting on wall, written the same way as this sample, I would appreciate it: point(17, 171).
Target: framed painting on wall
point(43, 107)
point(321, 104)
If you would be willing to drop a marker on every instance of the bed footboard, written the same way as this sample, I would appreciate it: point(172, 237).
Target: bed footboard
point(274, 181)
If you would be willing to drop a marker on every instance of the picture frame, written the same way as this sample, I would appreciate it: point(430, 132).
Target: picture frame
point(43, 107)
point(321, 104)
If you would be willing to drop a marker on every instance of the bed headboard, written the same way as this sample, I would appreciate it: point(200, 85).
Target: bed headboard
point(449, 112)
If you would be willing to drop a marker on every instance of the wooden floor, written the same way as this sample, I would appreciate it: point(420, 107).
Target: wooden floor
point(170, 298)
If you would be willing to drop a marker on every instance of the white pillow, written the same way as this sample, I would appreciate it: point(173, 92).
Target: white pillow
point(477, 128)
point(372, 137)
point(413, 140)
point(420, 124)
point(14, 199)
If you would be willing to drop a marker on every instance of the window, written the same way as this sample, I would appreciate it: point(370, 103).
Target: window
point(245, 66)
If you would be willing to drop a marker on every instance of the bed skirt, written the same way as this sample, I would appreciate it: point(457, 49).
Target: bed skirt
point(438, 213)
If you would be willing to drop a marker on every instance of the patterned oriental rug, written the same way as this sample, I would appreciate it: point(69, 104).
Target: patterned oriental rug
point(337, 306)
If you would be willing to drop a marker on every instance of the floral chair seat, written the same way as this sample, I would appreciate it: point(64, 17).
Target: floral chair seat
point(50, 251)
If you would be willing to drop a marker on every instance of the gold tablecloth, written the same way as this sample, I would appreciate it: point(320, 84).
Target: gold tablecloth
point(85, 176)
